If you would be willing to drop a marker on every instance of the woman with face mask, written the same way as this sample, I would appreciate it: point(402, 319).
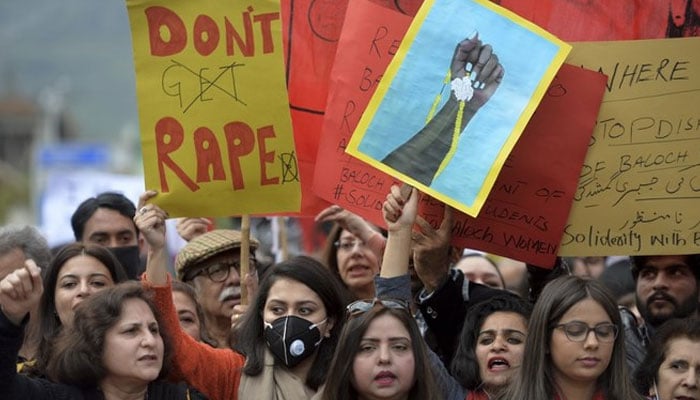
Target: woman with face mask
point(291, 330)
point(671, 369)
point(285, 340)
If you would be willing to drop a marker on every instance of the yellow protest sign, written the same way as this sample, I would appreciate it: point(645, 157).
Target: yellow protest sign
point(213, 110)
point(640, 184)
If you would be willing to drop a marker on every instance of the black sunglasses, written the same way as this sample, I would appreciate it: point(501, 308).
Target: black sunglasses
point(362, 306)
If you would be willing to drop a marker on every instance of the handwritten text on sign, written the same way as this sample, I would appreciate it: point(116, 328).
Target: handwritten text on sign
point(409, 117)
point(525, 213)
point(640, 183)
point(370, 37)
point(214, 119)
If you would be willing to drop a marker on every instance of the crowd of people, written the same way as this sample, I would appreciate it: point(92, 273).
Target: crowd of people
point(396, 313)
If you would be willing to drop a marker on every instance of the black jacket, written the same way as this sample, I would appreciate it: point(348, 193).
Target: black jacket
point(444, 311)
point(14, 386)
point(636, 340)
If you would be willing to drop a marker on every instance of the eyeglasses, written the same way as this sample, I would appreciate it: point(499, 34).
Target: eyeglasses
point(362, 306)
point(220, 271)
point(578, 331)
point(349, 245)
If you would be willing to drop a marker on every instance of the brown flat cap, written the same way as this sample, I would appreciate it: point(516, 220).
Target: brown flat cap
point(207, 245)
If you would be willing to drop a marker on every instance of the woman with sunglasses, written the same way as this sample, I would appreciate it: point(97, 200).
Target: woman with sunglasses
point(492, 341)
point(381, 355)
point(573, 350)
point(285, 340)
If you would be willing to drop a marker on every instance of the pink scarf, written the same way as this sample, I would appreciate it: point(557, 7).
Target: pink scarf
point(597, 396)
point(479, 395)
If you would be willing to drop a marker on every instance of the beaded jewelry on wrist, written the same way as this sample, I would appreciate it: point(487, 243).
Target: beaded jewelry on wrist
point(463, 90)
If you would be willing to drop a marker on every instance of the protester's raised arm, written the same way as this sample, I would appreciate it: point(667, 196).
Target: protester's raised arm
point(20, 292)
point(150, 219)
point(399, 211)
point(349, 221)
point(431, 250)
point(190, 228)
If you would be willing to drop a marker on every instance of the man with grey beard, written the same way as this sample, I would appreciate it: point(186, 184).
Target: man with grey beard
point(211, 264)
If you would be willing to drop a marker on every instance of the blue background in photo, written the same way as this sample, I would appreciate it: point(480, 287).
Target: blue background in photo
point(525, 56)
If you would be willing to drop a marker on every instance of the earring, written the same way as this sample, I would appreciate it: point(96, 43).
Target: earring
point(653, 391)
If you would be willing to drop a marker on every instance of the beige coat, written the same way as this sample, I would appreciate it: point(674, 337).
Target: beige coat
point(273, 383)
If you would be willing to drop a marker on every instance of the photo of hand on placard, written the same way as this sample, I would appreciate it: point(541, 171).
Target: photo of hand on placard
point(525, 213)
point(455, 98)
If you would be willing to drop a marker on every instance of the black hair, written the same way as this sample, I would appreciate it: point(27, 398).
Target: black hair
point(465, 366)
point(79, 350)
point(249, 338)
point(340, 384)
point(112, 200)
point(49, 322)
point(693, 261)
point(536, 379)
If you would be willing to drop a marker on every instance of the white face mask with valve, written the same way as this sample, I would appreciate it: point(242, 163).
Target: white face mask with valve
point(292, 339)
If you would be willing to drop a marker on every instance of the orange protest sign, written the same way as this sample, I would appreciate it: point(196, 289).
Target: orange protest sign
point(602, 20)
point(526, 212)
point(370, 37)
point(311, 37)
point(446, 103)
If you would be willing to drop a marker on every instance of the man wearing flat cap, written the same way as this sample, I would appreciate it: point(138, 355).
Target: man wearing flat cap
point(211, 264)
